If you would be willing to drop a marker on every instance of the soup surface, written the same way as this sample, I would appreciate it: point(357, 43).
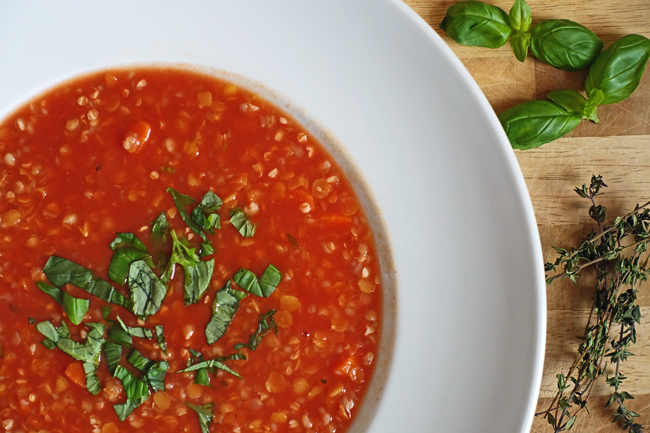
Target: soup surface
point(159, 220)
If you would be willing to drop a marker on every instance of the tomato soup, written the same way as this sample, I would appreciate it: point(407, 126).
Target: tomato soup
point(178, 254)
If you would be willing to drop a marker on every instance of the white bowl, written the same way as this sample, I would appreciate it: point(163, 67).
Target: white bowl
point(470, 324)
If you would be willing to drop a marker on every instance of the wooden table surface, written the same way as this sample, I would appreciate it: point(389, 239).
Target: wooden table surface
point(618, 148)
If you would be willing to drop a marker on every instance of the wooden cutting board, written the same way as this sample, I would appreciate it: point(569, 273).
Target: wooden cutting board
point(618, 148)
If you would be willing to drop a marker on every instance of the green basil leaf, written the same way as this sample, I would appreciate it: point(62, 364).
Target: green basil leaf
point(63, 330)
point(92, 381)
point(270, 280)
point(62, 271)
point(127, 240)
point(75, 308)
point(476, 23)
point(48, 330)
point(106, 311)
point(570, 100)
point(212, 364)
point(197, 280)
point(595, 98)
point(247, 281)
point(48, 344)
point(136, 331)
point(239, 220)
point(618, 70)
point(182, 254)
point(182, 201)
point(113, 353)
point(160, 226)
point(155, 375)
point(205, 414)
point(119, 335)
point(91, 350)
point(204, 214)
point(264, 325)
point(160, 339)
point(147, 291)
point(533, 123)
point(564, 44)
point(520, 43)
point(520, 16)
point(139, 361)
point(125, 409)
point(118, 269)
point(134, 387)
point(224, 307)
point(202, 377)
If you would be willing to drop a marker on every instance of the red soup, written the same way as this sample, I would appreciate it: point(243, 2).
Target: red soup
point(177, 254)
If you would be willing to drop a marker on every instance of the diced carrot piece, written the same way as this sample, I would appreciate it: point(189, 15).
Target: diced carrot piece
point(336, 220)
point(76, 373)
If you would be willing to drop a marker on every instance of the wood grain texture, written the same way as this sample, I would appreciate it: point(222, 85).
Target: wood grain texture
point(617, 148)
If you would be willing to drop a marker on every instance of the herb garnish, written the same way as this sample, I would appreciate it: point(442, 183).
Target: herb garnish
point(135, 331)
point(160, 339)
point(264, 286)
point(224, 307)
point(205, 413)
point(147, 290)
point(75, 308)
point(128, 248)
point(240, 221)
point(615, 252)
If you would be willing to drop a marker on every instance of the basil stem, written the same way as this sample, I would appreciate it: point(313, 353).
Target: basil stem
point(533, 123)
point(476, 23)
point(564, 44)
point(618, 70)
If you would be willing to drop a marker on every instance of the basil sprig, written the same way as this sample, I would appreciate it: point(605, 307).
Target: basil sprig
point(563, 44)
point(613, 76)
point(75, 308)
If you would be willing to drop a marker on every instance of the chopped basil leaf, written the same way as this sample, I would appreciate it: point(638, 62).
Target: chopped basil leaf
point(211, 364)
point(239, 220)
point(125, 409)
point(155, 376)
point(92, 381)
point(62, 271)
point(160, 226)
point(182, 201)
point(206, 249)
point(31, 320)
point(106, 311)
point(48, 344)
point(119, 335)
point(270, 280)
point(247, 281)
point(202, 376)
point(205, 413)
point(63, 330)
point(75, 308)
point(160, 339)
point(139, 361)
point(136, 331)
point(127, 240)
point(128, 248)
point(147, 291)
point(134, 387)
point(90, 351)
point(48, 330)
point(264, 325)
point(197, 280)
point(113, 353)
point(224, 307)
point(204, 214)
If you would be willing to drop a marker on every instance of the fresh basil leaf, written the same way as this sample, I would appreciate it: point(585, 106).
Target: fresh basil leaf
point(520, 42)
point(240, 221)
point(197, 280)
point(182, 201)
point(533, 123)
point(224, 307)
point(182, 254)
point(127, 240)
point(48, 330)
point(134, 387)
point(48, 344)
point(119, 335)
point(147, 291)
point(139, 361)
point(160, 339)
point(206, 249)
point(202, 377)
point(75, 308)
point(264, 325)
point(136, 331)
point(155, 375)
point(270, 280)
point(92, 381)
point(91, 350)
point(476, 23)
point(520, 16)
point(570, 100)
point(211, 364)
point(63, 330)
point(618, 70)
point(113, 353)
point(595, 98)
point(247, 281)
point(564, 44)
point(125, 409)
point(204, 214)
point(118, 269)
point(106, 311)
point(160, 226)
point(62, 271)
point(205, 413)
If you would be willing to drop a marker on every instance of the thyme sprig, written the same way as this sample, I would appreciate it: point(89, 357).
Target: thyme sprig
point(616, 253)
